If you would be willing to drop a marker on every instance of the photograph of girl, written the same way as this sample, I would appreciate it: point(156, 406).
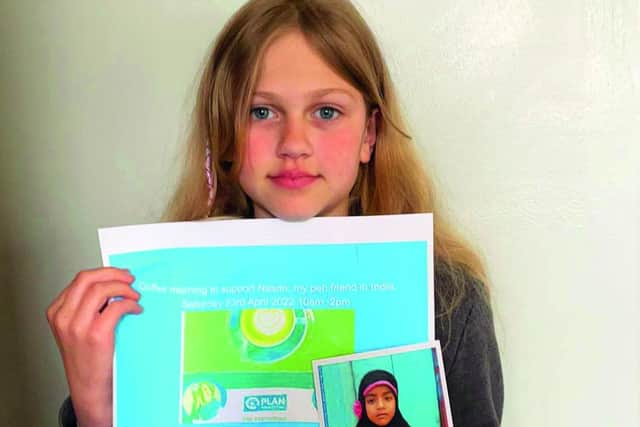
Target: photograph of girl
point(364, 389)
point(378, 404)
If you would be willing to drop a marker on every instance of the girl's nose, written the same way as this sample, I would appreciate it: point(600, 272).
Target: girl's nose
point(294, 141)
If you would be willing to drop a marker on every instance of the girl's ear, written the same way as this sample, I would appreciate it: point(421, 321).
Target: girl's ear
point(370, 137)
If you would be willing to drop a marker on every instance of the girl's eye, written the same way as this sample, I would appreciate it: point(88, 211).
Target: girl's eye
point(327, 113)
point(261, 113)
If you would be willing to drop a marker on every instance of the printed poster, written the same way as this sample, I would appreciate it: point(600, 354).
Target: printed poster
point(235, 311)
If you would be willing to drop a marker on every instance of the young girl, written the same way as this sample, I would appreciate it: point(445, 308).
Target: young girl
point(377, 403)
point(296, 117)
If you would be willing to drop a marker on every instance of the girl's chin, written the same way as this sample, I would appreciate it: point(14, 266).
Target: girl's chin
point(291, 214)
point(295, 216)
point(298, 212)
point(298, 216)
point(285, 215)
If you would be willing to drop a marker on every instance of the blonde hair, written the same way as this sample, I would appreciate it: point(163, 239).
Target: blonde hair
point(393, 182)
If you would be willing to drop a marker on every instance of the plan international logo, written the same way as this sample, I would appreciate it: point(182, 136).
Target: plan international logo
point(265, 402)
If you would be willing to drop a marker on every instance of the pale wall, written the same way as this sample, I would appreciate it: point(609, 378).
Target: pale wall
point(528, 114)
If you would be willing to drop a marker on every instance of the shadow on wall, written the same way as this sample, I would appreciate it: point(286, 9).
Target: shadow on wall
point(14, 411)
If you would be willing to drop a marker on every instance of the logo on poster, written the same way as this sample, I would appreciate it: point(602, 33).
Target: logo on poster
point(265, 402)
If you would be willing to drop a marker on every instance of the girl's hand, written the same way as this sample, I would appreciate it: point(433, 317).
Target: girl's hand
point(83, 322)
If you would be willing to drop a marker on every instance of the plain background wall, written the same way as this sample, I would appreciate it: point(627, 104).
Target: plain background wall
point(528, 114)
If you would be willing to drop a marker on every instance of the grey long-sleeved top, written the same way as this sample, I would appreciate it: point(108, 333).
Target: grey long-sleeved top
point(470, 354)
point(469, 351)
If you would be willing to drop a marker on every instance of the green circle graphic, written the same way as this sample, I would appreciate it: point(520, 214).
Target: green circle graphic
point(269, 335)
point(267, 327)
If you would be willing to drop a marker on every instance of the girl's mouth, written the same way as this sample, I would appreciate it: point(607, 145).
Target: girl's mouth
point(293, 179)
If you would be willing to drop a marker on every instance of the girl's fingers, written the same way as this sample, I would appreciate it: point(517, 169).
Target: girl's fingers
point(94, 299)
point(107, 321)
point(69, 303)
point(85, 279)
point(57, 302)
point(52, 314)
point(55, 306)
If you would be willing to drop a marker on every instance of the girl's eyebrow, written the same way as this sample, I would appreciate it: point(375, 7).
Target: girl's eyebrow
point(319, 93)
point(383, 394)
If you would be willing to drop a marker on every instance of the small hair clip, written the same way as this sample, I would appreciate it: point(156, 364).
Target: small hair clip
point(210, 175)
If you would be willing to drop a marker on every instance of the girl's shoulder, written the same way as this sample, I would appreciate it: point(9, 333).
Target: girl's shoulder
point(462, 309)
point(464, 326)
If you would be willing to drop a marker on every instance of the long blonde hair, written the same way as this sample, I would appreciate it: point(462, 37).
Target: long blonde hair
point(393, 182)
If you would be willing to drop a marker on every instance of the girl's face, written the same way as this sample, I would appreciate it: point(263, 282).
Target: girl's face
point(307, 134)
point(380, 404)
